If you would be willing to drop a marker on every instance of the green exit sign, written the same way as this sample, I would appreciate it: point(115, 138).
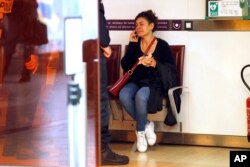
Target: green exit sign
point(213, 9)
point(226, 8)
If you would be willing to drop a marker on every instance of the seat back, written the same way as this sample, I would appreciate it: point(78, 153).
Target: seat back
point(113, 64)
point(178, 52)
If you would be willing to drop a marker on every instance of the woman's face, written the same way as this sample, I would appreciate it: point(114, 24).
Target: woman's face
point(143, 27)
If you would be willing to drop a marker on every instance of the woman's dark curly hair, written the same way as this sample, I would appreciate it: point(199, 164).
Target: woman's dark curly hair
point(150, 16)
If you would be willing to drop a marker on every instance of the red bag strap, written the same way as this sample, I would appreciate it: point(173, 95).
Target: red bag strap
point(149, 46)
point(145, 53)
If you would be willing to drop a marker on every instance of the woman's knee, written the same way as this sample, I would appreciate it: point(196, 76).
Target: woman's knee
point(142, 95)
point(124, 95)
point(128, 91)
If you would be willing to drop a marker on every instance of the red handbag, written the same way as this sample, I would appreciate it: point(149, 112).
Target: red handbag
point(119, 84)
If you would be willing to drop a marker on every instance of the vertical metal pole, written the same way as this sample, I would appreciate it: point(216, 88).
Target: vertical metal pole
point(77, 121)
point(77, 107)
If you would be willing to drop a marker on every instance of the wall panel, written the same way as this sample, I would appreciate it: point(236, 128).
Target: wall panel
point(215, 103)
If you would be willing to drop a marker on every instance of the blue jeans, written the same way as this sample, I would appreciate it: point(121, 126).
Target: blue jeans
point(135, 100)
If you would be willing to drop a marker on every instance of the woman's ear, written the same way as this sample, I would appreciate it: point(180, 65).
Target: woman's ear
point(152, 25)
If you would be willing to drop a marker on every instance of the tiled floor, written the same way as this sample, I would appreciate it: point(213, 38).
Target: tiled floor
point(175, 156)
point(53, 152)
point(46, 147)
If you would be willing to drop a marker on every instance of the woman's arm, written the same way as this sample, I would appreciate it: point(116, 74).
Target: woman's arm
point(130, 57)
point(164, 53)
point(167, 67)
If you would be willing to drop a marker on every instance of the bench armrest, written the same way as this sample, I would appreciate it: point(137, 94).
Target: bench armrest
point(171, 98)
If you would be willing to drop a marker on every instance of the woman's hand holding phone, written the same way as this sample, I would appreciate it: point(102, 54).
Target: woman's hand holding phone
point(133, 37)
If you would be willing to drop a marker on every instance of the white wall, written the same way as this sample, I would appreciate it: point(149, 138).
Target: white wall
point(215, 103)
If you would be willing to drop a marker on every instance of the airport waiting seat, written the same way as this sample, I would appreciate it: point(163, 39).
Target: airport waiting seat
point(119, 118)
point(178, 52)
point(114, 68)
point(113, 64)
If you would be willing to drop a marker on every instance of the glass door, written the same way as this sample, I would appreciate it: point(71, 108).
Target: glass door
point(34, 122)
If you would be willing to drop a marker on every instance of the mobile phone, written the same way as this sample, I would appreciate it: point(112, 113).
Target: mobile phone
point(136, 36)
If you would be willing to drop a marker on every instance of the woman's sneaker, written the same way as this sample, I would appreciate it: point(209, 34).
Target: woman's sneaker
point(141, 142)
point(150, 133)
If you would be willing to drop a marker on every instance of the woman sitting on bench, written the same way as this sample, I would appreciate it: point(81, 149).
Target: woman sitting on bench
point(150, 81)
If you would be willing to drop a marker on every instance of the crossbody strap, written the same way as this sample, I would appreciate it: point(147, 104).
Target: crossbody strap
point(145, 53)
point(149, 46)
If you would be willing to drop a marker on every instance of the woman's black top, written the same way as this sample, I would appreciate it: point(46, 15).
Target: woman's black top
point(158, 79)
point(143, 76)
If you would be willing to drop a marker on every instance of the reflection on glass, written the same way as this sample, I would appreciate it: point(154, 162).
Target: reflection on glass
point(33, 102)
